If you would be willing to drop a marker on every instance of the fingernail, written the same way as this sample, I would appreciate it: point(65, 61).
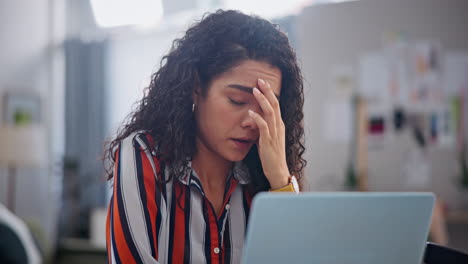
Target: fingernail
point(251, 112)
point(261, 81)
point(255, 90)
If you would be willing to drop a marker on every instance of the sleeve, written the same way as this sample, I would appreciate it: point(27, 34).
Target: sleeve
point(293, 186)
point(287, 188)
point(133, 218)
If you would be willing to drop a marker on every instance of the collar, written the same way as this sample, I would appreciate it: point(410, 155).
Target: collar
point(240, 172)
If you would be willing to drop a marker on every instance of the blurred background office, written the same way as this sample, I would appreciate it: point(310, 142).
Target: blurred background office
point(386, 102)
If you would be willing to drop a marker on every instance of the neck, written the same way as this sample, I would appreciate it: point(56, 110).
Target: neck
point(211, 168)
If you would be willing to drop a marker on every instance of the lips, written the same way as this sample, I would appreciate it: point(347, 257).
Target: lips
point(242, 142)
point(245, 140)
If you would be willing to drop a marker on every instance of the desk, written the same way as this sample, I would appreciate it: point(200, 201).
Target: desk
point(457, 227)
point(457, 217)
point(75, 251)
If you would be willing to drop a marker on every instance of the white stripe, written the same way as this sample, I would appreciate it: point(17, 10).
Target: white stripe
point(197, 228)
point(237, 224)
point(163, 235)
point(132, 201)
point(230, 238)
point(224, 225)
point(111, 242)
point(163, 226)
point(190, 221)
point(165, 220)
point(148, 155)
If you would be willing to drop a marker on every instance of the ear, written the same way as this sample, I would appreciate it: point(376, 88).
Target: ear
point(196, 94)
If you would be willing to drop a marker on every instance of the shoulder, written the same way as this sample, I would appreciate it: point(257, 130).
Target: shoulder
point(139, 149)
point(140, 140)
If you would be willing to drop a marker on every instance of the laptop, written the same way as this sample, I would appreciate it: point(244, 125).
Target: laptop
point(338, 228)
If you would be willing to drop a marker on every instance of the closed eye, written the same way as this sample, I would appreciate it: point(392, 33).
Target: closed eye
point(236, 102)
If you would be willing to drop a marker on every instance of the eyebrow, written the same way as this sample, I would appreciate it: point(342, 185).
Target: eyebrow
point(245, 89)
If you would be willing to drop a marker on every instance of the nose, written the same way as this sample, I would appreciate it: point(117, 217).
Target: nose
point(247, 121)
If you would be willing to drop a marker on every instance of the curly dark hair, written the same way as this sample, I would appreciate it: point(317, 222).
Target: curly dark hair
point(210, 47)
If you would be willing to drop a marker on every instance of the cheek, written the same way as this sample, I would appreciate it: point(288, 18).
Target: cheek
point(227, 115)
point(214, 115)
point(219, 117)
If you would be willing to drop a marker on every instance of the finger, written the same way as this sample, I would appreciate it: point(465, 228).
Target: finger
point(268, 112)
point(265, 88)
point(273, 100)
point(261, 124)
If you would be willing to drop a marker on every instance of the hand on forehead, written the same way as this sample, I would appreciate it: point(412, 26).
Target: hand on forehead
point(245, 76)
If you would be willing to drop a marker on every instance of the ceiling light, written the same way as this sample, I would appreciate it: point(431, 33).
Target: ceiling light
point(113, 13)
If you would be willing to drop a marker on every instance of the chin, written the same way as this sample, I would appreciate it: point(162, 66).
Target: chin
point(235, 156)
point(238, 159)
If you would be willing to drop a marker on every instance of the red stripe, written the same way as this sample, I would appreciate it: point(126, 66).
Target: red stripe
point(213, 232)
point(248, 197)
point(108, 240)
point(150, 141)
point(121, 244)
point(179, 226)
point(232, 187)
point(223, 252)
point(150, 188)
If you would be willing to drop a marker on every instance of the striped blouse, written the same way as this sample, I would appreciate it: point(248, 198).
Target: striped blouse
point(174, 222)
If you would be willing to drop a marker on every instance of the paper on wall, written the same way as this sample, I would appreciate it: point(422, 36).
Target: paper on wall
point(373, 76)
point(397, 58)
point(455, 72)
point(456, 84)
point(417, 170)
point(447, 127)
point(338, 121)
point(341, 82)
point(426, 68)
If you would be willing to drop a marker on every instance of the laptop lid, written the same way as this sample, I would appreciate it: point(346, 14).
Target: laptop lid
point(339, 228)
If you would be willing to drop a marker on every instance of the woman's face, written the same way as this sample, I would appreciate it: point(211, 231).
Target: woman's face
point(224, 125)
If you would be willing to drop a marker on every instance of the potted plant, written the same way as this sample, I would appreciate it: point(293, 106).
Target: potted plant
point(463, 175)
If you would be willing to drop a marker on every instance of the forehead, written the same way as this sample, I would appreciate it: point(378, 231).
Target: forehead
point(248, 72)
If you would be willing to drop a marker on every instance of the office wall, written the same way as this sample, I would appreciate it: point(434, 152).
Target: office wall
point(31, 62)
point(337, 34)
point(132, 60)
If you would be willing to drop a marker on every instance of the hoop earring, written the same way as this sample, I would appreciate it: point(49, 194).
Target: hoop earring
point(193, 107)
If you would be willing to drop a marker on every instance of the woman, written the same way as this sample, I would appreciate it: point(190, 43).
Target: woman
point(204, 141)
